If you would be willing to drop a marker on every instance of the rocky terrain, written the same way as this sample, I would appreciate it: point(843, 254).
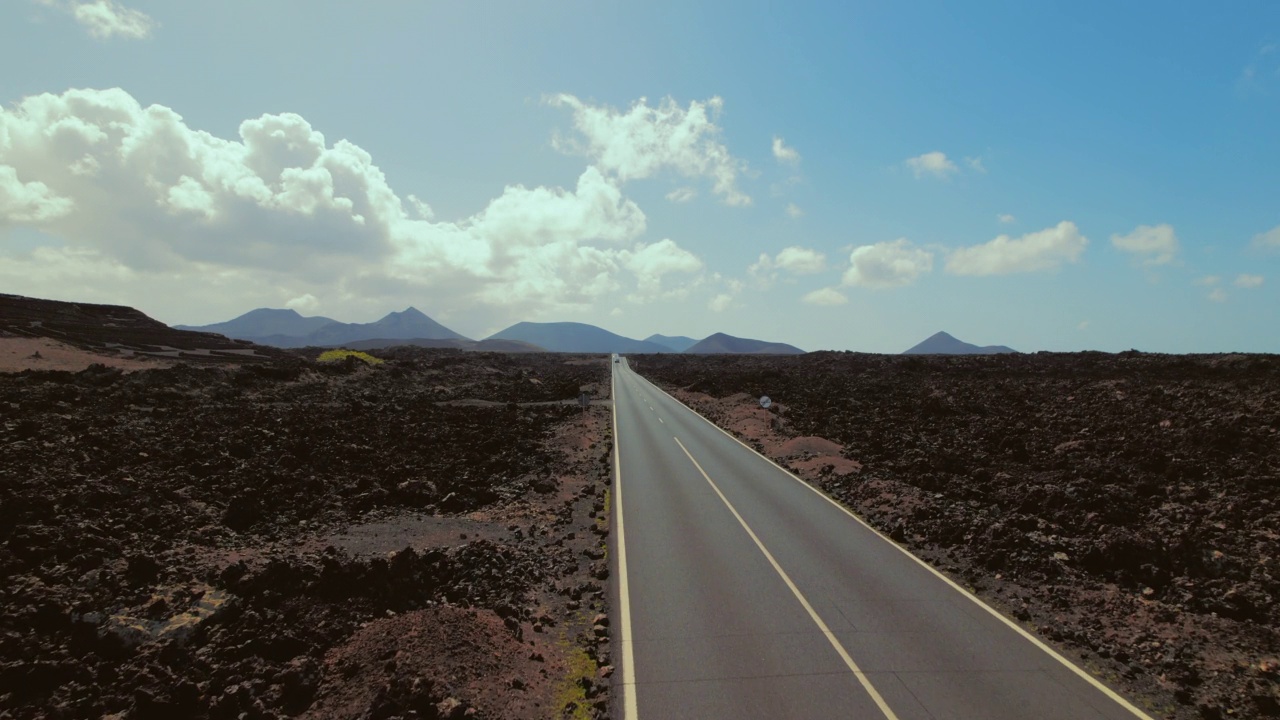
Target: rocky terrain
point(1125, 507)
point(423, 538)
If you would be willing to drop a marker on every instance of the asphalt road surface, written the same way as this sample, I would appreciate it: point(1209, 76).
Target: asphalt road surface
point(743, 593)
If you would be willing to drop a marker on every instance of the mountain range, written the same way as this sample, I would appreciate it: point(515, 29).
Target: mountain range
point(286, 328)
point(941, 343)
point(289, 329)
point(88, 325)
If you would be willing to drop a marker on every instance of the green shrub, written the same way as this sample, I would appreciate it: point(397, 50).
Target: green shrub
point(340, 355)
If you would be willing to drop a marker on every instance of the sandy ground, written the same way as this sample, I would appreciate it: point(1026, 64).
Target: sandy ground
point(18, 354)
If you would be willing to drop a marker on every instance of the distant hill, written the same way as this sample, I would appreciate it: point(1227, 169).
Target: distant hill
point(264, 322)
point(728, 344)
point(288, 329)
point(506, 346)
point(677, 343)
point(119, 331)
point(406, 325)
point(576, 337)
point(942, 343)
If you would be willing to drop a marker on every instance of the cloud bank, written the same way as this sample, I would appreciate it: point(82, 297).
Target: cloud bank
point(284, 213)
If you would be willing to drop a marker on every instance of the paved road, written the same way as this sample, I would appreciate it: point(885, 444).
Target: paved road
point(743, 593)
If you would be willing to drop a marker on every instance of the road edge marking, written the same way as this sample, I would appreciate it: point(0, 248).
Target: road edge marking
point(1081, 672)
point(630, 708)
point(813, 614)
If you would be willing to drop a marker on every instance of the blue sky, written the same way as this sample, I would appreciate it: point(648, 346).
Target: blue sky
point(1050, 176)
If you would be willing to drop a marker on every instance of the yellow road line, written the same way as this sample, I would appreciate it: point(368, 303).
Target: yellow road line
point(630, 710)
point(813, 614)
point(1080, 672)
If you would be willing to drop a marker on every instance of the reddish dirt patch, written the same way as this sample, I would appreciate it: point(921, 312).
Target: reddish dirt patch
point(424, 661)
point(765, 430)
point(18, 354)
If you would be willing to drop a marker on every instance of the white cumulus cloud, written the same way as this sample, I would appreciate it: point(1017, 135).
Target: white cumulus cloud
point(1006, 218)
point(105, 19)
point(887, 264)
point(1149, 244)
point(784, 153)
point(794, 212)
point(825, 297)
point(932, 164)
point(529, 246)
point(1245, 280)
point(794, 260)
point(643, 141)
point(1043, 250)
point(1218, 295)
point(30, 202)
point(650, 262)
point(142, 202)
point(151, 191)
point(801, 261)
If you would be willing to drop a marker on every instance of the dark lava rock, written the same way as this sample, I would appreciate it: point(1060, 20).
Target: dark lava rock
point(149, 556)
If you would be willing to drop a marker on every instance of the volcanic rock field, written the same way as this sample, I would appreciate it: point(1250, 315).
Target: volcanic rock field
point(427, 537)
point(1124, 506)
point(423, 538)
